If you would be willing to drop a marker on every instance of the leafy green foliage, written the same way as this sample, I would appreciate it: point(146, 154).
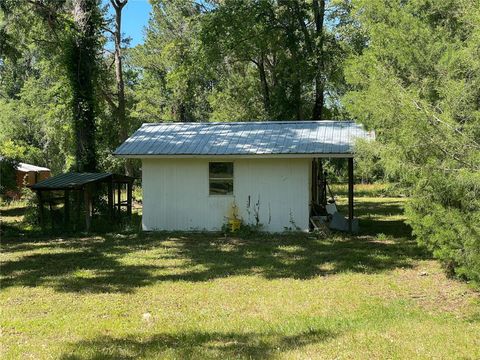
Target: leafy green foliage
point(39, 134)
point(174, 76)
point(32, 211)
point(445, 216)
point(414, 85)
point(8, 175)
point(277, 41)
point(368, 162)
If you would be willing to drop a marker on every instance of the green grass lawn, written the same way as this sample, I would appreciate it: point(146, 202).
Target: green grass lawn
point(127, 296)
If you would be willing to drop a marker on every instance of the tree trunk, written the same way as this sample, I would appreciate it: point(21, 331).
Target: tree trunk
point(263, 80)
point(81, 63)
point(319, 15)
point(181, 112)
point(118, 6)
point(120, 109)
point(297, 93)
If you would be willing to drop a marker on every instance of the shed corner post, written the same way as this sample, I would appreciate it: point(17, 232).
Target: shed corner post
point(350, 193)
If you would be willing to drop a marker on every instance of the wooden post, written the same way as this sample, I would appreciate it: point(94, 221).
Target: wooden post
point(350, 194)
point(78, 206)
point(322, 199)
point(52, 222)
point(129, 198)
point(119, 198)
point(66, 207)
point(314, 189)
point(110, 198)
point(41, 217)
point(86, 197)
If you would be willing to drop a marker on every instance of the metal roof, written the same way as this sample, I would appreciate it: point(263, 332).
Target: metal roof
point(268, 138)
point(29, 167)
point(24, 167)
point(69, 180)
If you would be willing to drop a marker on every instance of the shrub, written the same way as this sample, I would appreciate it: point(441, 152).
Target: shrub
point(8, 179)
point(31, 207)
point(445, 216)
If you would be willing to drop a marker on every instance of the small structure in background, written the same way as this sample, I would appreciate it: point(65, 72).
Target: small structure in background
point(84, 193)
point(25, 175)
point(28, 174)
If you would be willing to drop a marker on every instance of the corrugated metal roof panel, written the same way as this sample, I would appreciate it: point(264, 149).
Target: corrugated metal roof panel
point(29, 167)
point(69, 180)
point(244, 138)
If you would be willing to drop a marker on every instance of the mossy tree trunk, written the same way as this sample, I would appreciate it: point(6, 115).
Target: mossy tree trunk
point(81, 59)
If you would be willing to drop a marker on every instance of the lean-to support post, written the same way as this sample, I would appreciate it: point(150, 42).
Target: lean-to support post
point(52, 221)
point(350, 193)
point(66, 207)
point(110, 198)
point(129, 198)
point(77, 209)
point(314, 190)
point(322, 183)
point(88, 207)
point(119, 198)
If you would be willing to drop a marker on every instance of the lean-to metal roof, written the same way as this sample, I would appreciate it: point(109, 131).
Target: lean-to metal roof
point(69, 180)
point(74, 180)
point(268, 138)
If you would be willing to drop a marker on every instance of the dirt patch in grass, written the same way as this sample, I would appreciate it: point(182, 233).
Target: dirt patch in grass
point(431, 289)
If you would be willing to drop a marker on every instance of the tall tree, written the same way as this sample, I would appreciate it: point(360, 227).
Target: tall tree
point(118, 6)
point(175, 80)
point(35, 98)
point(319, 16)
point(81, 59)
point(417, 84)
point(298, 59)
point(119, 108)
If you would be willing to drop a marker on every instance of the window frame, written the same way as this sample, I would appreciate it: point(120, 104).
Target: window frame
point(220, 179)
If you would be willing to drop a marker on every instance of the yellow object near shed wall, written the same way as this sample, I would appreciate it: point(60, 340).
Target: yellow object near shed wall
point(176, 194)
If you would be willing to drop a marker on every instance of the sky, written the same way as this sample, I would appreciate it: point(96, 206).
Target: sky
point(134, 19)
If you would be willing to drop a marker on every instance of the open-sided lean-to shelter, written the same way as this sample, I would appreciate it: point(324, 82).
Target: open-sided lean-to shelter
point(84, 188)
point(193, 173)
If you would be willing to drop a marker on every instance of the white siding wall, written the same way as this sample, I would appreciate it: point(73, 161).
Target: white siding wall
point(176, 195)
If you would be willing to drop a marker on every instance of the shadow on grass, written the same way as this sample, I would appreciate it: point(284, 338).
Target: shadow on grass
point(12, 211)
point(195, 345)
point(76, 265)
point(380, 217)
point(97, 264)
point(290, 257)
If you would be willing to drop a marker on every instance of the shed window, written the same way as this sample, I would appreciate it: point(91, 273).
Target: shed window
point(221, 178)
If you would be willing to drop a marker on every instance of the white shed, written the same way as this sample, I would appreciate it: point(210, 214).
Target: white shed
point(193, 174)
